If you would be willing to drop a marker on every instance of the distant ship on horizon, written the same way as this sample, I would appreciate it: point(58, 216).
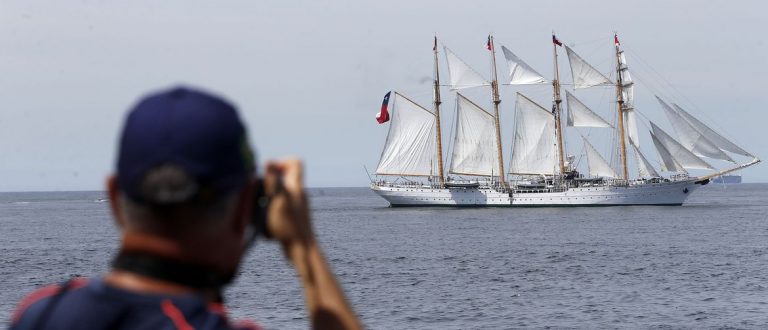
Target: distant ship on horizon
point(727, 179)
point(540, 172)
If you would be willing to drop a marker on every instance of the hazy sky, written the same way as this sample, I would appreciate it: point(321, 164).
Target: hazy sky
point(308, 76)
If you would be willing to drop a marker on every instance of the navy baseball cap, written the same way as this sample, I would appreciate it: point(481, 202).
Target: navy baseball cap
point(195, 132)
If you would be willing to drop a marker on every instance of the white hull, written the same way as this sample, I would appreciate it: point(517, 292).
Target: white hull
point(663, 193)
point(427, 196)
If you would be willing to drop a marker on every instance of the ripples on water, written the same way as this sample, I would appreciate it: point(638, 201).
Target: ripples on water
point(699, 265)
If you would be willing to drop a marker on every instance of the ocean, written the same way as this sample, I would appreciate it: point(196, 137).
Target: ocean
point(700, 265)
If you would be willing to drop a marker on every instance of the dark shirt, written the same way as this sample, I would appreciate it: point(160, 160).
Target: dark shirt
point(92, 304)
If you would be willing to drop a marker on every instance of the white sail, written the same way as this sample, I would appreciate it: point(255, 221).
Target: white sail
point(584, 75)
point(628, 86)
point(520, 73)
point(598, 167)
point(533, 148)
point(460, 74)
point(410, 147)
point(717, 139)
point(632, 126)
point(690, 137)
point(628, 97)
point(685, 158)
point(474, 146)
point(579, 115)
point(644, 168)
point(668, 163)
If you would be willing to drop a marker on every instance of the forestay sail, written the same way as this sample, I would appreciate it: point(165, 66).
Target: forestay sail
point(584, 75)
point(460, 74)
point(717, 139)
point(690, 137)
point(668, 163)
point(520, 73)
point(679, 153)
point(410, 146)
point(598, 167)
point(533, 148)
point(579, 115)
point(644, 168)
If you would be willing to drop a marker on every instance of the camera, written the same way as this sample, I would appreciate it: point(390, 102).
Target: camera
point(261, 201)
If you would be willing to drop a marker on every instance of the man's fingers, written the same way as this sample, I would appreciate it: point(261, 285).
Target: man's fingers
point(289, 172)
point(288, 214)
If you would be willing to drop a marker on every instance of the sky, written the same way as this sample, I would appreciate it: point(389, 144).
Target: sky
point(309, 76)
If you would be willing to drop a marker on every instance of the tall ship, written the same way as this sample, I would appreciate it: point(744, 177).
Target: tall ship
point(540, 172)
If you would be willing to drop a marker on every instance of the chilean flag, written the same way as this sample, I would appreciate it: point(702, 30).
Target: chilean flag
point(488, 44)
point(383, 115)
point(556, 42)
point(616, 39)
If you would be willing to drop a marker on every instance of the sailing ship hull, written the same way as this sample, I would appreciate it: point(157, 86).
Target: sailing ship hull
point(663, 193)
point(428, 196)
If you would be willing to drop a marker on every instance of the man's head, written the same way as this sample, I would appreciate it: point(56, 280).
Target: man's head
point(197, 133)
point(183, 171)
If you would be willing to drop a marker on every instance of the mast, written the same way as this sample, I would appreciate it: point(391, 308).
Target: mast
point(556, 108)
point(620, 108)
point(437, 117)
point(496, 101)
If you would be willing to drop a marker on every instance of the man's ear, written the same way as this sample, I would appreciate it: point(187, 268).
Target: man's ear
point(113, 191)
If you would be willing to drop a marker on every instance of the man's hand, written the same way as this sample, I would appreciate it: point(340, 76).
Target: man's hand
point(288, 214)
point(288, 222)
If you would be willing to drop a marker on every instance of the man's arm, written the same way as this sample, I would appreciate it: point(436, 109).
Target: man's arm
point(289, 223)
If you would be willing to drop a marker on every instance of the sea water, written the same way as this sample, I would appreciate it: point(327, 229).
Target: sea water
point(700, 265)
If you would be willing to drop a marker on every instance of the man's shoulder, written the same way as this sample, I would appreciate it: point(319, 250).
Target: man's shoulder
point(91, 304)
point(33, 303)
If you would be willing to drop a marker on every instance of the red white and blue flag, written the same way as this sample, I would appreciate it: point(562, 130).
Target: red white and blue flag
point(488, 44)
point(556, 42)
point(383, 115)
point(616, 39)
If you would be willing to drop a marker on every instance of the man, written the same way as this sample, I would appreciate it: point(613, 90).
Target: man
point(183, 200)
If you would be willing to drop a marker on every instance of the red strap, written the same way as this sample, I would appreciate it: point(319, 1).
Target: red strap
point(173, 313)
point(34, 297)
